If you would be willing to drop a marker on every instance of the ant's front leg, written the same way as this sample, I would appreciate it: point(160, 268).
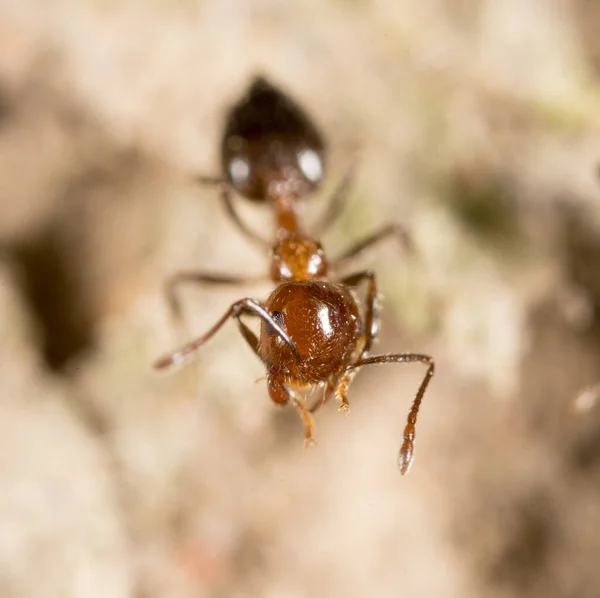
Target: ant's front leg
point(338, 386)
point(278, 391)
point(371, 318)
point(282, 395)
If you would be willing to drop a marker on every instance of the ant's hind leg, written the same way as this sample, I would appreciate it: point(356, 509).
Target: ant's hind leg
point(235, 217)
point(227, 199)
point(337, 203)
point(209, 180)
point(391, 230)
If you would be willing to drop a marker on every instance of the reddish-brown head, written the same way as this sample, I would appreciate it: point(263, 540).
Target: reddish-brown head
point(322, 319)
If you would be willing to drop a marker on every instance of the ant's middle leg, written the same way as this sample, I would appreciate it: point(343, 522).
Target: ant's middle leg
point(174, 282)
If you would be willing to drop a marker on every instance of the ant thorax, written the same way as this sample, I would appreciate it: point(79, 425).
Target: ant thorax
point(297, 257)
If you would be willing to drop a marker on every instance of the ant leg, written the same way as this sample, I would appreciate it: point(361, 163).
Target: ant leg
point(199, 278)
point(209, 180)
point(226, 196)
point(336, 203)
point(341, 390)
point(390, 230)
point(227, 199)
point(278, 392)
point(372, 307)
point(307, 420)
point(338, 386)
point(408, 446)
point(243, 306)
point(281, 395)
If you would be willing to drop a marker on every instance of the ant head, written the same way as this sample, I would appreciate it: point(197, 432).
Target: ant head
point(323, 321)
point(270, 146)
point(297, 257)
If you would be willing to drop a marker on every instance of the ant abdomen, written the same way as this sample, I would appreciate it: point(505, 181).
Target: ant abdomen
point(270, 147)
point(322, 319)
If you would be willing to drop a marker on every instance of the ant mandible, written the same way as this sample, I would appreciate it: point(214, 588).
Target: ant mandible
point(312, 332)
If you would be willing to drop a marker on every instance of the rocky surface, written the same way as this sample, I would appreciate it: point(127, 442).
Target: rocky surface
point(477, 124)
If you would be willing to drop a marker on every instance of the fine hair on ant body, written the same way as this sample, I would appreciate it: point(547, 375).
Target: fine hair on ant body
point(311, 330)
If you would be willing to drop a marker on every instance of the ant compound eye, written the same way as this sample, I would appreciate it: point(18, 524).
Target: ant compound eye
point(280, 321)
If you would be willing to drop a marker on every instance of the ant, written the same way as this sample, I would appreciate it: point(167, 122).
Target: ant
point(311, 330)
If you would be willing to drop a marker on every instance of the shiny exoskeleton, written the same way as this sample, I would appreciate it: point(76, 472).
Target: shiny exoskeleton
point(312, 331)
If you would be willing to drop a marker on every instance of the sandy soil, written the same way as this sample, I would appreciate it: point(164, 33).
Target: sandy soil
point(477, 125)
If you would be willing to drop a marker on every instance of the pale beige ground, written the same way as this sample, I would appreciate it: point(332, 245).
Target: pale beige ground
point(478, 125)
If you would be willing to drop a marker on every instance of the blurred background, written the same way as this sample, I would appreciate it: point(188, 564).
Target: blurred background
point(477, 124)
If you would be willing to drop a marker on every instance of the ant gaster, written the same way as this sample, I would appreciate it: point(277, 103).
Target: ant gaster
point(311, 331)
